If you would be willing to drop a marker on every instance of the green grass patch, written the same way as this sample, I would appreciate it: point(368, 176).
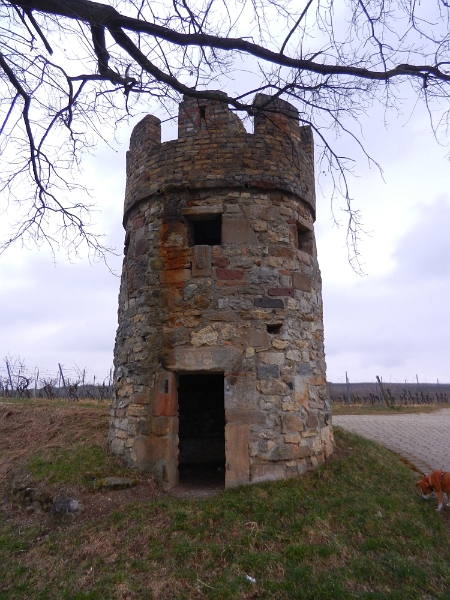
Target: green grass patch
point(80, 465)
point(68, 466)
point(354, 528)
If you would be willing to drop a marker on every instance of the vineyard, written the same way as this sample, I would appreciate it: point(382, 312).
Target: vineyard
point(390, 394)
point(19, 381)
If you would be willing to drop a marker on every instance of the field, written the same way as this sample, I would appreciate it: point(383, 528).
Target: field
point(355, 528)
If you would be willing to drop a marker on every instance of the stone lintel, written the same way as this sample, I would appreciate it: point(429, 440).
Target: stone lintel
point(303, 223)
point(212, 358)
point(252, 417)
point(200, 213)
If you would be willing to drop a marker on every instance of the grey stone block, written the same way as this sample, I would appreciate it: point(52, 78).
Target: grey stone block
point(268, 372)
point(304, 369)
point(268, 303)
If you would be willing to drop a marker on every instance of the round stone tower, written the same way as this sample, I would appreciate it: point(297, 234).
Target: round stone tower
point(219, 359)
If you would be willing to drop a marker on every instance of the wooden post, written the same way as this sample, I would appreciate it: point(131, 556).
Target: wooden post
point(9, 375)
point(383, 392)
point(63, 380)
point(348, 388)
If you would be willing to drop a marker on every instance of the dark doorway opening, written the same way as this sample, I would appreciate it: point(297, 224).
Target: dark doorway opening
point(201, 413)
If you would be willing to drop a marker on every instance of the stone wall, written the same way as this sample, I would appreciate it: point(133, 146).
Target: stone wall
point(249, 306)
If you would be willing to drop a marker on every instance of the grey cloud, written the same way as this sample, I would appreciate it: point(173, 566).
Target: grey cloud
point(424, 250)
point(398, 323)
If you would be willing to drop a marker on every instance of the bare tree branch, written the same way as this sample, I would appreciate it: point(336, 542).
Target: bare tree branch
point(111, 60)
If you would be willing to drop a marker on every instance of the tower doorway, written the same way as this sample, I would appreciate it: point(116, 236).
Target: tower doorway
point(201, 434)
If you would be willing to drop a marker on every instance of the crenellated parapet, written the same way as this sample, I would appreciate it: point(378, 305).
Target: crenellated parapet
point(213, 150)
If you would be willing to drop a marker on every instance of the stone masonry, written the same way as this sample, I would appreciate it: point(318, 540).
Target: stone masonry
point(220, 277)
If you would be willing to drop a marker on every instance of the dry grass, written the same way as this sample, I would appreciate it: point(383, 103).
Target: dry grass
point(26, 429)
point(367, 409)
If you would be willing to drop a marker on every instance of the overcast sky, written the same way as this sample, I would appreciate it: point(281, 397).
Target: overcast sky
point(392, 322)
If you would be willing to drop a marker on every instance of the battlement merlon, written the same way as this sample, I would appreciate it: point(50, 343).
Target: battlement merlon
point(213, 150)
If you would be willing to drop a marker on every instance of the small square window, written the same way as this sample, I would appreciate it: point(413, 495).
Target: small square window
point(274, 328)
point(206, 231)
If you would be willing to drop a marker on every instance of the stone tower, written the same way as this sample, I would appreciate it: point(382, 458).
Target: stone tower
point(219, 358)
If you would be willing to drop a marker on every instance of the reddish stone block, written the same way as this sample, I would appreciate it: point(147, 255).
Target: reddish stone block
point(301, 282)
point(166, 401)
point(281, 251)
point(220, 261)
point(140, 398)
point(229, 274)
point(142, 247)
point(179, 262)
point(281, 292)
point(175, 276)
point(138, 222)
point(193, 114)
point(263, 185)
point(258, 338)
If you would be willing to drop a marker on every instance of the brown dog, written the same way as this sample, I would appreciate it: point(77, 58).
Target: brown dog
point(438, 481)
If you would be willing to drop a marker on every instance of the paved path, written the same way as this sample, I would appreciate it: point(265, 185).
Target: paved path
point(422, 438)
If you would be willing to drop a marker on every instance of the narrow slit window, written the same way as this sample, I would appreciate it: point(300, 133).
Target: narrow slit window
point(202, 112)
point(305, 240)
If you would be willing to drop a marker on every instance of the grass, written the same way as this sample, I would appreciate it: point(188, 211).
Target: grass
point(78, 465)
point(63, 402)
point(354, 528)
